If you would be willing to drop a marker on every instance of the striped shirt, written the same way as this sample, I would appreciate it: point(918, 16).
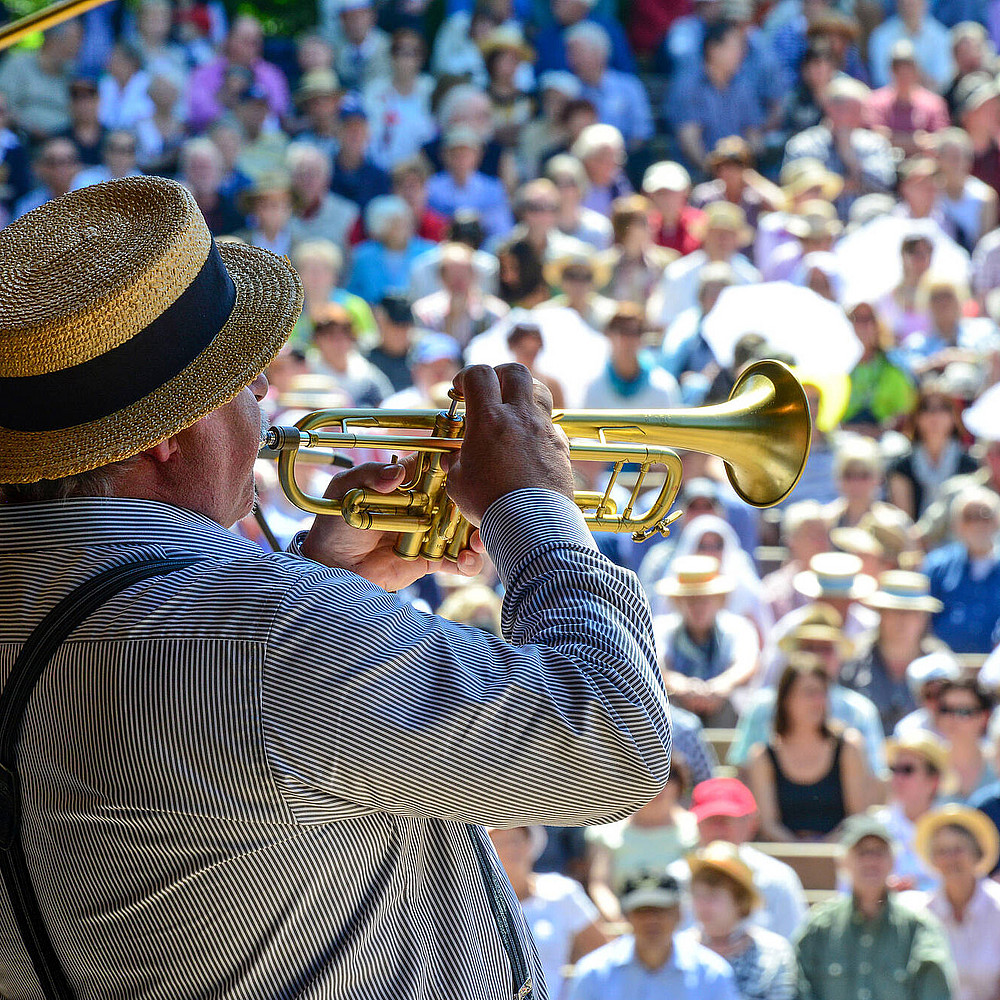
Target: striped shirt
point(254, 778)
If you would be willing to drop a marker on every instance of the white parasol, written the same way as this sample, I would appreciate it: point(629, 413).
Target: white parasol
point(794, 320)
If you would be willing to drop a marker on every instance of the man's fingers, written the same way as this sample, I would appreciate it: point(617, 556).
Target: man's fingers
point(480, 387)
point(516, 384)
point(371, 475)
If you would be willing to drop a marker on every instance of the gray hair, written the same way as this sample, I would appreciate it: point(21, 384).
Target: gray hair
point(592, 35)
point(300, 153)
point(564, 165)
point(974, 494)
point(98, 482)
point(381, 211)
point(453, 101)
point(799, 514)
point(324, 250)
point(200, 145)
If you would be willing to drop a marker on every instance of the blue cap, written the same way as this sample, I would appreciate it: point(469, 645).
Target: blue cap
point(352, 107)
point(435, 347)
point(255, 92)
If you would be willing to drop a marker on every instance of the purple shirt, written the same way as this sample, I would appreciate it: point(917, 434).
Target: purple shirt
point(206, 81)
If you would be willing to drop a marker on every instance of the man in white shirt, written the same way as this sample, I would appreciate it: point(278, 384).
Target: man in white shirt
point(726, 231)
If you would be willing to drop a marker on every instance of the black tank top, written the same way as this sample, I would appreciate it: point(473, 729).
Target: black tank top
point(815, 808)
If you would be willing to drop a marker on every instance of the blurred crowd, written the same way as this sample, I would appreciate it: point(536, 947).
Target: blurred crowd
point(637, 201)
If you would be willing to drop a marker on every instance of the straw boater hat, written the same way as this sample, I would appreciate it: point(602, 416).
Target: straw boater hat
point(976, 823)
point(900, 590)
point(816, 219)
point(317, 83)
point(695, 576)
point(724, 857)
point(834, 575)
point(122, 322)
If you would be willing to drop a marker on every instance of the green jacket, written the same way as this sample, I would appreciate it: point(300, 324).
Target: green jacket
point(902, 954)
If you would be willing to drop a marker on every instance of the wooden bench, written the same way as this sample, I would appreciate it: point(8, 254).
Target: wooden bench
point(815, 864)
point(720, 740)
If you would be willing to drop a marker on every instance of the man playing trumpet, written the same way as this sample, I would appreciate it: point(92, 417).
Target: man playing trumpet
point(263, 775)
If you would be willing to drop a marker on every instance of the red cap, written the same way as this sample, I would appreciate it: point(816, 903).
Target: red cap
point(722, 797)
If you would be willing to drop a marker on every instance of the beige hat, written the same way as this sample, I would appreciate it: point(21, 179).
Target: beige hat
point(833, 575)
point(721, 856)
point(317, 83)
point(695, 576)
point(902, 590)
point(924, 744)
point(976, 823)
point(122, 322)
point(554, 269)
point(807, 173)
point(726, 215)
point(507, 36)
point(821, 623)
point(816, 219)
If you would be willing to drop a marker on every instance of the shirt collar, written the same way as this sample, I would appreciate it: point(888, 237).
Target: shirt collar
point(112, 522)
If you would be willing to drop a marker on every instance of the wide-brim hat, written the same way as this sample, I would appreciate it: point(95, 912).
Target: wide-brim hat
point(731, 149)
point(695, 576)
point(928, 747)
point(834, 575)
point(269, 182)
point(816, 632)
point(122, 322)
point(978, 824)
point(902, 590)
point(816, 219)
point(507, 36)
point(721, 856)
point(807, 173)
point(554, 269)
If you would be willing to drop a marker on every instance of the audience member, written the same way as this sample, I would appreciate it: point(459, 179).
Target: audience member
point(869, 938)
point(963, 847)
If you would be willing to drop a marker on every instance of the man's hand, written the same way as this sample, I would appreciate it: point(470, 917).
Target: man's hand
point(369, 553)
point(510, 442)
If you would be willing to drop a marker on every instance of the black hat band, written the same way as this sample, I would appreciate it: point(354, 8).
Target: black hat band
point(125, 374)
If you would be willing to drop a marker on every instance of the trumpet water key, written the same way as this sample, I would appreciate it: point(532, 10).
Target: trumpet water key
point(762, 433)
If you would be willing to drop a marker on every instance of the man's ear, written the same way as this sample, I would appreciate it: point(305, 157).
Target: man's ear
point(162, 451)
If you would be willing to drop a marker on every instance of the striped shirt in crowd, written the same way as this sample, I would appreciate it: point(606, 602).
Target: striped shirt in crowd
point(261, 778)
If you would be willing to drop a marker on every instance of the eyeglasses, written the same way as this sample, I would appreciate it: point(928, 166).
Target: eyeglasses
point(962, 713)
point(540, 206)
point(857, 473)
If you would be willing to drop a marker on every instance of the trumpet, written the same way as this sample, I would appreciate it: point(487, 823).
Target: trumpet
point(762, 433)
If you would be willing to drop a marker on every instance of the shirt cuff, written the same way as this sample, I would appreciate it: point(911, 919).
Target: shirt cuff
point(522, 522)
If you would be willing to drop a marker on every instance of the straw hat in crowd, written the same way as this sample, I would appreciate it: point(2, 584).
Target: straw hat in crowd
point(818, 623)
point(725, 215)
point(902, 590)
point(928, 747)
point(721, 856)
point(834, 575)
point(806, 174)
point(977, 824)
point(507, 38)
point(95, 275)
point(695, 576)
point(554, 269)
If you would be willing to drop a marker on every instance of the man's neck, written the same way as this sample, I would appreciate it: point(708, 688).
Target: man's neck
point(654, 956)
point(898, 654)
point(699, 636)
point(718, 77)
point(350, 159)
point(626, 369)
point(870, 904)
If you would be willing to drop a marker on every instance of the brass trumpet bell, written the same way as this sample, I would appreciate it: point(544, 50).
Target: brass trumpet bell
point(762, 433)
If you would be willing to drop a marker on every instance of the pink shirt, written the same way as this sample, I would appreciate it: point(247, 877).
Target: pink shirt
point(206, 81)
point(925, 111)
point(974, 940)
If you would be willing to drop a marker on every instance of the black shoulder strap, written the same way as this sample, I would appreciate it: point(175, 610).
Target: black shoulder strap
point(27, 669)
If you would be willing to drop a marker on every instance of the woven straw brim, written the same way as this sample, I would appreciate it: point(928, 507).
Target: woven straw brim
point(268, 302)
point(978, 824)
point(889, 602)
point(710, 588)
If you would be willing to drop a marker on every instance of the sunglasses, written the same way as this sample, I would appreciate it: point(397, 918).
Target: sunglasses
point(540, 206)
point(940, 407)
point(858, 474)
point(577, 276)
point(962, 713)
point(904, 769)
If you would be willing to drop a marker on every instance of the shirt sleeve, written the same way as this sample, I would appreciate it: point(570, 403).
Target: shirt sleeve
point(368, 704)
point(930, 966)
